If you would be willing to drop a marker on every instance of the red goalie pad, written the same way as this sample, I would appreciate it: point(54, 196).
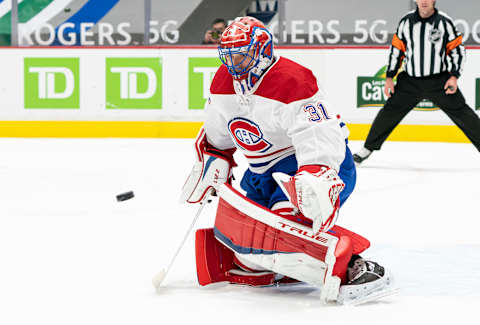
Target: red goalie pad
point(215, 263)
point(213, 259)
point(268, 234)
point(359, 242)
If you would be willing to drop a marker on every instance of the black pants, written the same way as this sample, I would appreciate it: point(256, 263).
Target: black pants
point(408, 92)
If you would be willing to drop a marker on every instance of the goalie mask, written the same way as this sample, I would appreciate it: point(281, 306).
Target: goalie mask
point(246, 49)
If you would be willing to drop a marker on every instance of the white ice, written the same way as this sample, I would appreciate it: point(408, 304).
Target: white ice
point(70, 254)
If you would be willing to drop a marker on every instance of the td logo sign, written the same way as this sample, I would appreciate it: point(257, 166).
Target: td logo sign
point(51, 83)
point(200, 75)
point(133, 83)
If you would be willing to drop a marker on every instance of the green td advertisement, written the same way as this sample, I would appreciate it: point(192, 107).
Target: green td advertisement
point(200, 75)
point(370, 92)
point(51, 83)
point(133, 83)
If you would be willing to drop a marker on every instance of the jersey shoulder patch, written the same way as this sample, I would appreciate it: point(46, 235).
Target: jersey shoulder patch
point(222, 83)
point(287, 82)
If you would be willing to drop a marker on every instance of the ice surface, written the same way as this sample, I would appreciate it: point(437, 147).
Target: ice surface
point(71, 254)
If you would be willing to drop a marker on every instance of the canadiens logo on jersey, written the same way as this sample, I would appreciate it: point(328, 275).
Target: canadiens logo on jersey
point(247, 135)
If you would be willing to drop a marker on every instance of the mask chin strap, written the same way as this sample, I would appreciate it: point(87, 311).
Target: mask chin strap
point(241, 87)
point(246, 86)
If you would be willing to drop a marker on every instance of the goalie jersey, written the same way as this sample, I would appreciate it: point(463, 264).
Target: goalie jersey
point(285, 115)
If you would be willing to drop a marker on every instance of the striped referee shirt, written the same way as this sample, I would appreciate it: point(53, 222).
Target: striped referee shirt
point(429, 46)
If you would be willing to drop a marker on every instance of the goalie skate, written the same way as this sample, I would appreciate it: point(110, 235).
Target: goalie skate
point(368, 282)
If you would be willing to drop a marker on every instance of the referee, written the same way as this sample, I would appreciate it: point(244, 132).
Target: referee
point(434, 58)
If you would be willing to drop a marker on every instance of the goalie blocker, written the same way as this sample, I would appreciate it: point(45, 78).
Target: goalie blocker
point(255, 234)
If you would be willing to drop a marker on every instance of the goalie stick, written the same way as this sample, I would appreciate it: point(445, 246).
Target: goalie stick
point(160, 276)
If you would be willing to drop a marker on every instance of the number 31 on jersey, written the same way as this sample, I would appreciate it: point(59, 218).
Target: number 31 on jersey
point(316, 112)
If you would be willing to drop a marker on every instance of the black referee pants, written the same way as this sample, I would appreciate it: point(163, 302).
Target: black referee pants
point(408, 92)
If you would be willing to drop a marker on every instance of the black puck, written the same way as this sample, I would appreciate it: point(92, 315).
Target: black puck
point(125, 196)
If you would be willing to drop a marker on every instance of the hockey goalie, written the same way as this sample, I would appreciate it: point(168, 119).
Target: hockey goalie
point(300, 172)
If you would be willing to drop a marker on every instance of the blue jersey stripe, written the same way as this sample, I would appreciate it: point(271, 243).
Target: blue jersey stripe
point(261, 164)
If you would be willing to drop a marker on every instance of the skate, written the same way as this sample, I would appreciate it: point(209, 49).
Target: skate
point(360, 156)
point(367, 281)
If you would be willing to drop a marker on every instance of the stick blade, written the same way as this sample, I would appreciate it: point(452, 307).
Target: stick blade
point(158, 279)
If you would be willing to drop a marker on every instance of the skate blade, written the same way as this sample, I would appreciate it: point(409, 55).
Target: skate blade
point(374, 296)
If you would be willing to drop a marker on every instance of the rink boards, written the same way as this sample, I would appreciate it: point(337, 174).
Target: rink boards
point(160, 92)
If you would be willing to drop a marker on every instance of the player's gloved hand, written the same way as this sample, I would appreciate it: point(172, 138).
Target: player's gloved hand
point(211, 169)
point(315, 191)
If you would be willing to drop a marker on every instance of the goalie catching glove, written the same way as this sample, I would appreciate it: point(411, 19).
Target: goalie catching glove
point(315, 191)
point(212, 168)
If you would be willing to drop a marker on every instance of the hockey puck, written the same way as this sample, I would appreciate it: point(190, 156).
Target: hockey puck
point(125, 196)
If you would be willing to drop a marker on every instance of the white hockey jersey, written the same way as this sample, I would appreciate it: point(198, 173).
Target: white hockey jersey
point(285, 114)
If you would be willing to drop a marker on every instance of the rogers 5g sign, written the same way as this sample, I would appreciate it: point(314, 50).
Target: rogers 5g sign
point(364, 32)
point(296, 32)
point(105, 34)
point(318, 32)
